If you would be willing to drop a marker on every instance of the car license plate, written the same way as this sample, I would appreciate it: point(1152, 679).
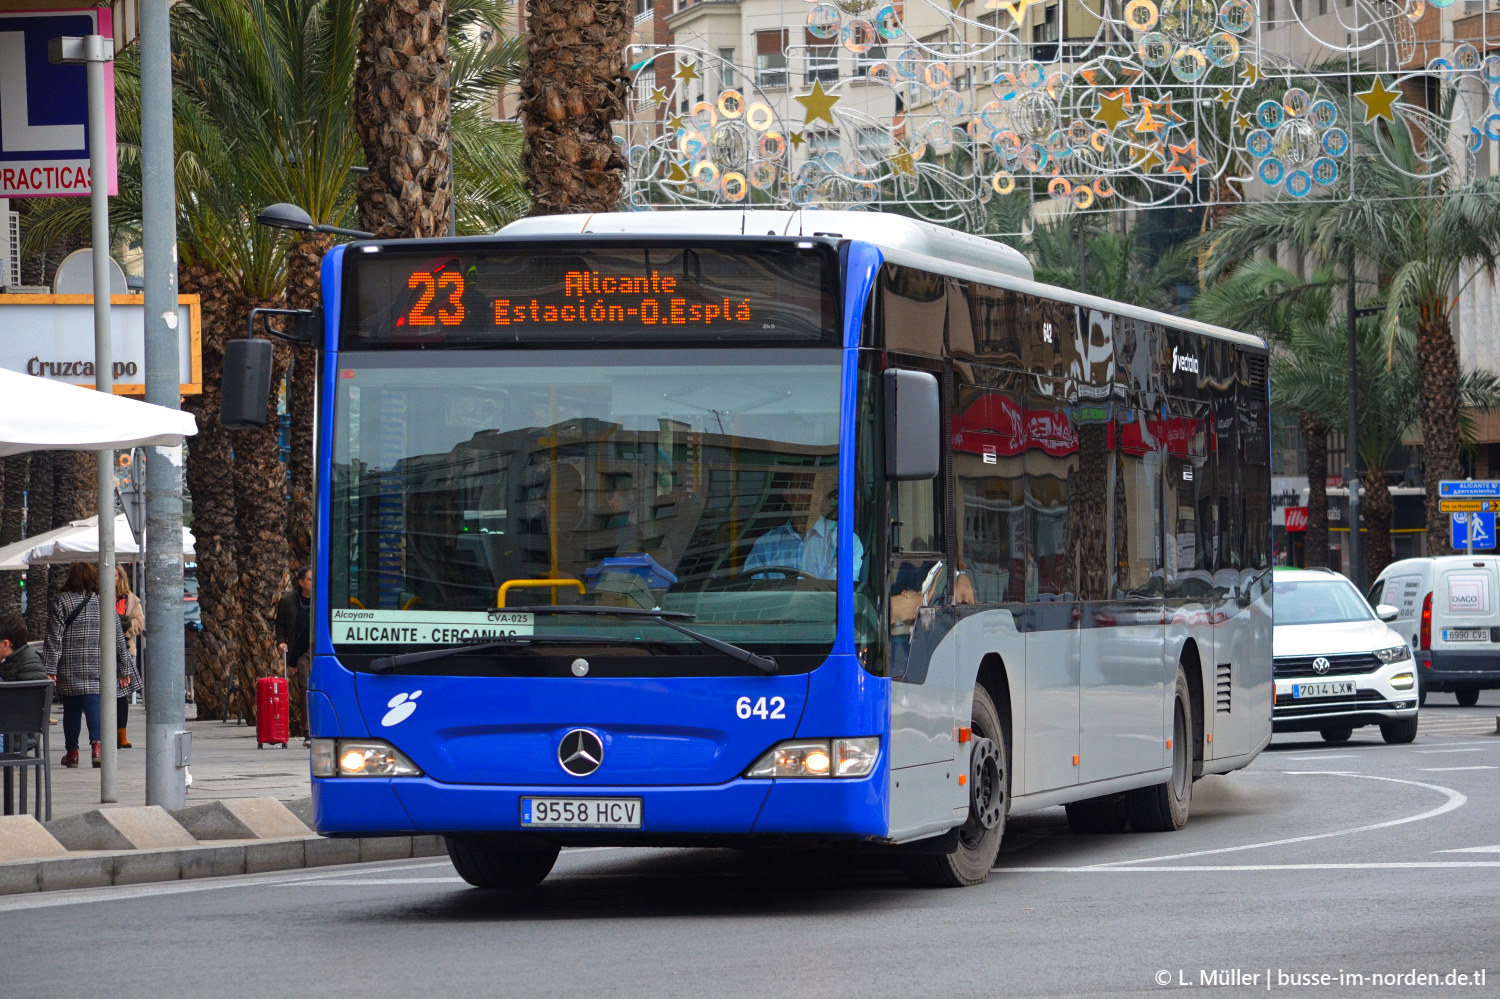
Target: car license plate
point(581, 813)
point(1466, 634)
point(1330, 689)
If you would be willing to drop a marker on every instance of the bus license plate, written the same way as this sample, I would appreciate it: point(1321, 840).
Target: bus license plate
point(1332, 689)
point(1466, 634)
point(581, 813)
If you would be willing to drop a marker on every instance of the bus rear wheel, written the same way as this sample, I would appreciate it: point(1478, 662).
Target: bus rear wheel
point(976, 843)
point(501, 863)
point(1164, 807)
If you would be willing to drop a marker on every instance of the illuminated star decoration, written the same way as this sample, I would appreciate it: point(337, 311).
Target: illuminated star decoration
point(676, 173)
point(796, 140)
point(659, 96)
point(687, 71)
point(675, 122)
point(1250, 74)
point(1147, 156)
point(1378, 100)
point(902, 163)
point(1243, 123)
point(1226, 97)
point(1112, 109)
point(1017, 8)
point(818, 105)
point(1185, 159)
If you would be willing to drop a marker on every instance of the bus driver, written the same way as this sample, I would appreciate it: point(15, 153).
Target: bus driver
point(811, 548)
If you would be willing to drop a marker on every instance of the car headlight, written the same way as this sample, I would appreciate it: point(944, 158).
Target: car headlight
point(1394, 655)
point(360, 758)
point(818, 758)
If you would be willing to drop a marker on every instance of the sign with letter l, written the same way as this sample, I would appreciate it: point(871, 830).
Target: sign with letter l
point(44, 108)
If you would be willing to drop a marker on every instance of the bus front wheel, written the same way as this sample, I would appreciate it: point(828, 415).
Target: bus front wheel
point(500, 863)
point(1164, 807)
point(976, 843)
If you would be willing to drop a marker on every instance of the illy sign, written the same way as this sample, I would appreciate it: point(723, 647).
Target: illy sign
point(1296, 518)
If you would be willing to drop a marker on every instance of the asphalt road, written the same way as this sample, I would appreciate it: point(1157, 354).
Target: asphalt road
point(1354, 860)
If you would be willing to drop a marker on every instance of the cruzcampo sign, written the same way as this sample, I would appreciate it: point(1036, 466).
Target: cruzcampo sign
point(52, 337)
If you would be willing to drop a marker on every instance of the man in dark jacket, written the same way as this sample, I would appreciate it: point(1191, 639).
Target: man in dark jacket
point(293, 614)
point(18, 661)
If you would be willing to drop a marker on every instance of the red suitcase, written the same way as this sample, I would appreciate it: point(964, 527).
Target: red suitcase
point(272, 712)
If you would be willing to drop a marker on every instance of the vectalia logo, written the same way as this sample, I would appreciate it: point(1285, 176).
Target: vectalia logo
point(1183, 362)
point(402, 706)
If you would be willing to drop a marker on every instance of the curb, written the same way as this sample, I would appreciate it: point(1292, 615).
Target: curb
point(103, 868)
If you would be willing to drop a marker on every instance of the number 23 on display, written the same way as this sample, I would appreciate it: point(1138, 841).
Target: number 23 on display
point(761, 707)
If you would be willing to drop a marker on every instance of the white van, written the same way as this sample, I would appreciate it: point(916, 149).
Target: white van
point(1450, 613)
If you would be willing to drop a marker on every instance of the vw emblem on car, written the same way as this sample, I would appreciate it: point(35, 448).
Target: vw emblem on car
point(1320, 665)
point(580, 752)
point(580, 667)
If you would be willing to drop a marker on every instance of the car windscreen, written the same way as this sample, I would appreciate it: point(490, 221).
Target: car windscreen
point(1322, 601)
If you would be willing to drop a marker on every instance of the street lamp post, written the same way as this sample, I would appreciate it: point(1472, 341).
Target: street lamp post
point(287, 216)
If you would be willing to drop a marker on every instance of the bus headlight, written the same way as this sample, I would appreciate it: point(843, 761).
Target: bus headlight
point(360, 758)
point(1394, 655)
point(818, 758)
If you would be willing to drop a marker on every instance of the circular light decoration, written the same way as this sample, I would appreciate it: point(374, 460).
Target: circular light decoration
point(1491, 68)
point(908, 64)
point(1083, 196)
point(1099, 139)
point(832, 159)
point(887, 24)
point(880, 72)
point(772, 146)
point(1006, 86)
point(1103, 188)
point(993, 116)
point(1335, 141)
point(1189, 64)
point(1079, 133)
point(810, 171)
point(1237, 16)
point(760, 116)
point(1223, 50)
point(731, 104)
point(734, 186)
point(1476, 140)
point(729, 144)
point(1442, 3)
point(823, 21)
point(1187, 22)
point(1466, 58)
point(762, 175)
point(937, 76)
point(704, 115)
point(800, 195)
point(1298, 183)
point(706, 174)
point(1008, 146)
point(1003, 182)
point(1492, 128)
point(1271, 171)
point(916, 147)
point(1324, 171)
point(1154, 49)
point(1296, 102)
point(1033, 156)
point(939, 135)
point(950, 104)
point(1258, 143)
point(858, 36)
point(1323, 114)
point(1496, 99)
point(1033, 74)
point(690, 143)
point(1270, 113)
point(1059, 188)
point(1141, 15)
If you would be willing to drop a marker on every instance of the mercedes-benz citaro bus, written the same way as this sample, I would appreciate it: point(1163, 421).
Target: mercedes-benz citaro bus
point(773, 528)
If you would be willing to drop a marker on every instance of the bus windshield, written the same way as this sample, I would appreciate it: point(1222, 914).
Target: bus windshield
point(469, 485)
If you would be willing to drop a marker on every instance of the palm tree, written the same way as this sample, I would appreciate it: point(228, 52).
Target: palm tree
point(12, 513)
point(1417, 234)
point(572, 93)
point(1113, 264)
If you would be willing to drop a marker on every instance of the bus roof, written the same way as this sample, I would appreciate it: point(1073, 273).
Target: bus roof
point(903, 240)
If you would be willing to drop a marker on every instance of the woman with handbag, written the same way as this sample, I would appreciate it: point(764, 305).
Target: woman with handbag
point(70, 654)
point(133, 620)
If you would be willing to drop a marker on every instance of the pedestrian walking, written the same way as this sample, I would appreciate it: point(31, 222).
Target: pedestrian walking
point(293, 618)
point(70, 654)
point(133, 620)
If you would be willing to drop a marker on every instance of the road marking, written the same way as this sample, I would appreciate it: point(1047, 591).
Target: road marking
point(372, 881)
point(1456, 799)
point(1328, 756)
point(1428, 751)
point(1472, 849)
point(1415, 865)
point(1444, 770)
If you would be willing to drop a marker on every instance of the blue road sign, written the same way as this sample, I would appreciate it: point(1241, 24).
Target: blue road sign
point(1469, 488)
point(1483, 526)
point(44, 108)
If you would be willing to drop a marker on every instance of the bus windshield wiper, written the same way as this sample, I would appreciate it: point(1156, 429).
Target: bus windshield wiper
point(766, 664)
point(763, 663)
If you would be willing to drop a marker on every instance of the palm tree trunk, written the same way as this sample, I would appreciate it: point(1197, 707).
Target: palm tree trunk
point(1315, 439)
point(260, 551)
point(210, 481)
point(572, 93)
point(1376, 508)
point(12, 521)
point(401, 111)
point(304, 264)
point(39, 520)
point(1437, 392)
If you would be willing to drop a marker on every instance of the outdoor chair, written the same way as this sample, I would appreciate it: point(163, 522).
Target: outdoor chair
point(24, 714)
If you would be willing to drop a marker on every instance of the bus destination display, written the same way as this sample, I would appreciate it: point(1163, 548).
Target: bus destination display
point(778, 293)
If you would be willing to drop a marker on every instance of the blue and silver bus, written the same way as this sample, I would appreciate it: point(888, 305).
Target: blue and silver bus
point(773, 528)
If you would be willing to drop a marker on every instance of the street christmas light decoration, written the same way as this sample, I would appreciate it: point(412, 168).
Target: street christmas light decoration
point(1155, 103)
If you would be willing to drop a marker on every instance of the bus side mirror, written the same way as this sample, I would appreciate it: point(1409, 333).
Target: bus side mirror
point(246, 386)
point(913, 425)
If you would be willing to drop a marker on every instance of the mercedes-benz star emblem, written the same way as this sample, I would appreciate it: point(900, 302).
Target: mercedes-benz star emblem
point(580, 667)
point(1320, 665)
point(580, 752)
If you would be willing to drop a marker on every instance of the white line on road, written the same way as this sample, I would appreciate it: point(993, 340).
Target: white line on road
point(1320, 757)
point(1447, 770)
point(1426, 751)
point(1456, 799)
point(1472, 849)
point(1398, 866)
point(372, 881)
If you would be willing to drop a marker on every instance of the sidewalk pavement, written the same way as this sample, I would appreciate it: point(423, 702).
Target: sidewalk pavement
point(248, 810)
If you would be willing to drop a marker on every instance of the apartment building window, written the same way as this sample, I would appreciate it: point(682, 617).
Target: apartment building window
point(1044, 36)
point(727, 78)
point(869, 57)
point(873, 143)
point(821, 144)
point(770, 57)
point(643, 9)
point(822, 59)
point(645, 86)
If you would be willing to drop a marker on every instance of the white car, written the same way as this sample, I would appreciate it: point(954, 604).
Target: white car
point(1338, 666)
